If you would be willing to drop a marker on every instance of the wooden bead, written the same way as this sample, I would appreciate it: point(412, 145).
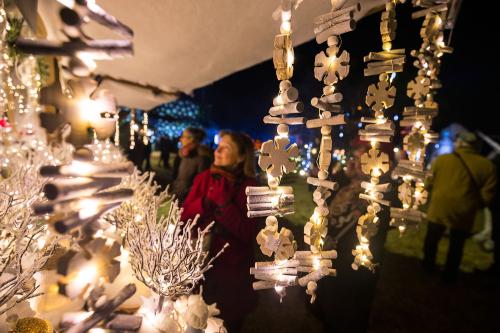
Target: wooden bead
point(326, 130)
point(322, 174)
point(271, 220)
point(328, 90)
point(332, 41)
point(326, 114)
point(282, 129)
point(387, 46)
point(272, 182)
point(284, 85)
point(383, 77)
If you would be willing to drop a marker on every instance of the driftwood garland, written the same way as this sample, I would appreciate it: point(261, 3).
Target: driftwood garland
point(379, 129)
point(412, 193)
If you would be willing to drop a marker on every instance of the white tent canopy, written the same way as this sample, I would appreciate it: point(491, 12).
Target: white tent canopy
point(181, 45)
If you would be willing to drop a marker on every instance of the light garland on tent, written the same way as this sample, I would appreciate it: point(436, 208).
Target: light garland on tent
point(116, 139)
point(132, 129)
point(379, 96)
point(419, 117)
point(145, 139)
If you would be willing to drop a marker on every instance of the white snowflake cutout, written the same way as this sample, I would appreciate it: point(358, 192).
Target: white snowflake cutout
point(331, 68)
point(275, 157)
point(380, 96)
point(374, 159)
point(419, 88)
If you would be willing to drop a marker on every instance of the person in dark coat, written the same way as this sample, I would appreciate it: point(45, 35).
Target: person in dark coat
point(193, 158)
point(218, 194)
point(462, 183)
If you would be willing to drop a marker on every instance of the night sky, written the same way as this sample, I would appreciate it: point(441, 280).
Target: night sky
point(241, 100)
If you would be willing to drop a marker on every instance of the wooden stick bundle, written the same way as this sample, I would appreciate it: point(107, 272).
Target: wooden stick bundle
point(104, 311)
point(287, 121)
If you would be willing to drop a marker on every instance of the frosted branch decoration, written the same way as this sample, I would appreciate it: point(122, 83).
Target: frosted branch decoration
point(167, 255)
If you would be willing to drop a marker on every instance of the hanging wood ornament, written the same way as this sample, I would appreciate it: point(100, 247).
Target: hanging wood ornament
point(419, 117)
point(380, 96)
point(277, 157)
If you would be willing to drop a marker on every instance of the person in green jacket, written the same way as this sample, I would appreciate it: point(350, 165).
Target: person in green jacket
point(461, 183)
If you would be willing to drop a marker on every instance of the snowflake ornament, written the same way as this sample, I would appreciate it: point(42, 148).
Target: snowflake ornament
point(331, 68)
point(270, 241)
point(367, 226)
point(405, 194)
point(373, 160)
point(380, 96)
point(414, 145)
point(275, 158)
point(268, 237)
point(419, 88)
point(420, 195)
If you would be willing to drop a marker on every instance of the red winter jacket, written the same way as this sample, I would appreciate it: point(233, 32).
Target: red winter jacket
point(228, 282)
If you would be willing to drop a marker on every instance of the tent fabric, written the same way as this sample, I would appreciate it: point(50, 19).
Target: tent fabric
point(184, 45)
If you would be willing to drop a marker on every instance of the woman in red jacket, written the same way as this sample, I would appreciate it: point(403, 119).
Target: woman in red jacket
point(218, 194)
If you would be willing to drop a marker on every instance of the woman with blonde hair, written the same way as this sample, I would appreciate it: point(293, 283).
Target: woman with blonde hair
point(218, 194)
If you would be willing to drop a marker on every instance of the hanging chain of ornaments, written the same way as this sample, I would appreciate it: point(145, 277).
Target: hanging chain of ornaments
point(132, 129)
point(276, 158)
point(418, 118)
point(330, 68)
point(145, 138)
point(380, 96)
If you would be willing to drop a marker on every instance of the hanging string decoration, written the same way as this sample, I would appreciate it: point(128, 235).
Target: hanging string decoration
point(145, 137)
point(418, 118)
point(132, 129)
point(276, 159)
point(379, 129)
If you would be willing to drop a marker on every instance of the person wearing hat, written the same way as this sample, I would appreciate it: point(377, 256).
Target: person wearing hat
point(462, 182)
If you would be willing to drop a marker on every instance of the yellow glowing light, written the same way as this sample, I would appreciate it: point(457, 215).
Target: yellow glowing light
point(87, 59)
point(98, 330)
point(286, 27)
point(332, 60)
point(88, 208)
point(316, 263)
point(279, 99)
point(290, 58)
point(80, 168)
point(87, 274)
point(275, 201)
point(302, 173)
point(67, 3)
point(286, 15)
point(88, 110)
